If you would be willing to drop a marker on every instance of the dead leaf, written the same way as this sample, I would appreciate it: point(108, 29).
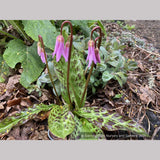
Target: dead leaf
point(10, 138)
point(2, 105)
point(158, 75)
point(140, 65)
point(132, 86)
point(27, 129)
point(10, 87)
point(42, 135)
point(1, 115)
point(14, 133)
point(45, 95)
point(146, 95)
point(13, 102)
point(2, 88)
point(25, 101)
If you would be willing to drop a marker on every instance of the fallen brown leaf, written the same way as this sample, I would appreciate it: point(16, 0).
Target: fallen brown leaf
point(10, 86)
point(146, 95)
point(140, 65)
point(13, 102)
point(158, 75)
point(2, 105)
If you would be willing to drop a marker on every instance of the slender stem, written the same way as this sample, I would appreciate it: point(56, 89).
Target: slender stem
point(90, 72)
point(96, 41)
point(7, 34)
point(50, 76)
point(88, 78)
point(5, 23)
point(69, 58)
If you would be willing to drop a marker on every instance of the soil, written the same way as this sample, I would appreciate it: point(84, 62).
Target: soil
point(147, 29)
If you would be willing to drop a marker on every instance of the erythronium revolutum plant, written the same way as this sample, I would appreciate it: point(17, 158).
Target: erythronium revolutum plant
point(71, 118)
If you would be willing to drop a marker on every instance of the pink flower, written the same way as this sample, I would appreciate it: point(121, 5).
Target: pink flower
point(66, 51)
point(59, 48)
point(93, 54)
point(41, 52)
point(97, 55)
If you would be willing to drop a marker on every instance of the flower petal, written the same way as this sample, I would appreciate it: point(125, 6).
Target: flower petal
point(39, 48)
point(60, 51)
point(43, 57)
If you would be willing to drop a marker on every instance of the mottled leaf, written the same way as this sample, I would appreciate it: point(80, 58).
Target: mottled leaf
point(61, 121)
point(110, 121)
point(83, 25)
point(106, 76)
point(86, 130)
point(77, 78)
point(22, 117)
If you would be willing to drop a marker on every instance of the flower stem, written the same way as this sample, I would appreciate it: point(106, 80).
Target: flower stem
point(69, 57)
point(50, 76)
point(90, 72)
point(88, 78)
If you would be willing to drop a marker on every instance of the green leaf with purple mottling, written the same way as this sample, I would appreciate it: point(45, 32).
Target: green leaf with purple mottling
point(109, 120)
point(22, 117)
point(61, 121)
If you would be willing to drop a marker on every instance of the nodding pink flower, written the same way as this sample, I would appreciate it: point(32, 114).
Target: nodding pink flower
point(59, 48)
point(97, 55)
point(41, 52)
point(91, 53)
point(66, 51)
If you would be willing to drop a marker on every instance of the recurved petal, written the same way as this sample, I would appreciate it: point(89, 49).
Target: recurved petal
point(60, 51)
point(39, 48)
point(66, 54)
point(97, 55)
point(43, 57)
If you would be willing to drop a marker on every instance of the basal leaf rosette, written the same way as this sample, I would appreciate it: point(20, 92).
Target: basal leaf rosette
point(110, 121)
point(61, 121)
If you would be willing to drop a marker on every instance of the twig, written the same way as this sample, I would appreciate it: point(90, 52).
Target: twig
point(147, 51)
point(155, 132)
point(149, 124)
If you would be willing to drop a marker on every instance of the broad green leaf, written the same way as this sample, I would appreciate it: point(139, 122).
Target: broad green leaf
point(106, 76)
point(61, 121)
point(41, 27)
point(85, 130)
point(32, 66)
point(83, 25)
point(109, 120)
point(4, 69)
point(22, 117)
point(80, 46)
point(15, 53)
point(76, 79)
